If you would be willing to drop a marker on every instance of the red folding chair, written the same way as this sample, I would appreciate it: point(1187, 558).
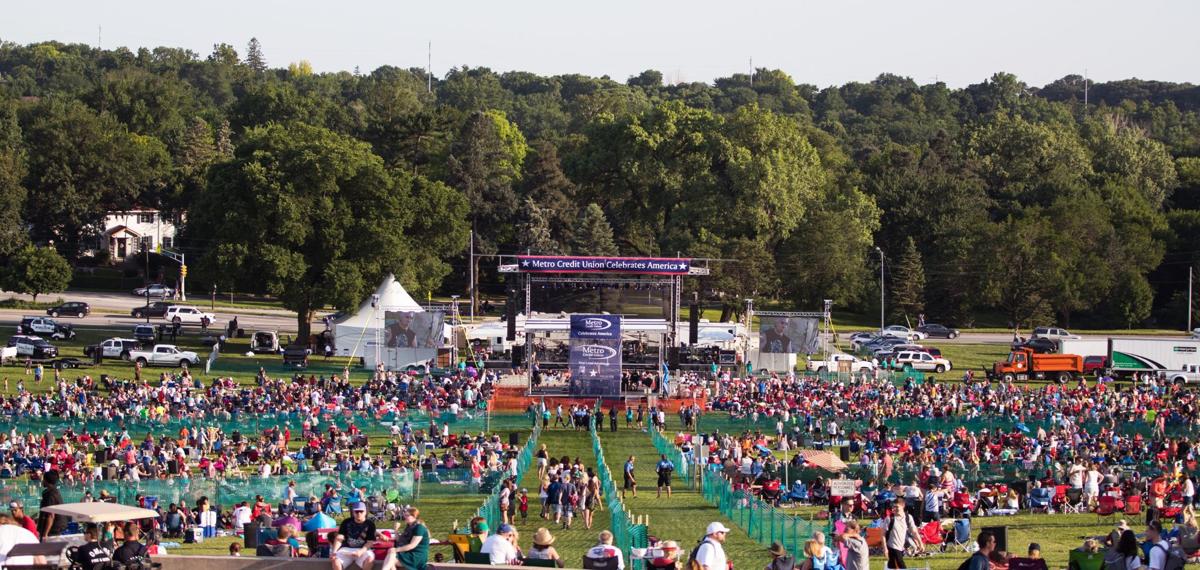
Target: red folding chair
point(1106, 506)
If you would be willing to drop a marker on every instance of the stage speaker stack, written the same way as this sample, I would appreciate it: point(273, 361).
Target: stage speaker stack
point(514, 438)
point(673, 357)
point(694, 325)
point(510, 315)
point(518, 356)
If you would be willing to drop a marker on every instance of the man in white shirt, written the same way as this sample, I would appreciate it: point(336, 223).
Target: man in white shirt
point(499, 547)
point(605, 549)
point(710, 554)
point(1158, 546)
point(241, 516)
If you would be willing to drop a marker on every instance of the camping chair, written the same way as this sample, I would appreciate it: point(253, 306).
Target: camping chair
point(1083, 560)
point(1133, 505)
point(537, 563)
point(961, 504)
point(1060, 498)
point(875, 540)
point(1106, 507)
point(959, 536)
point(1040, 499)
point(1021, 563)
point(931, 535)
point(477, 558)
point(1074, 502)
point(609, 563)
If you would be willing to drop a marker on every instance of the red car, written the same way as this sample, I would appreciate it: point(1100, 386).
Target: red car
point(1095, 364)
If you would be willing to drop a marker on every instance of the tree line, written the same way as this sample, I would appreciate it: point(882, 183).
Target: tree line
point(999, 203)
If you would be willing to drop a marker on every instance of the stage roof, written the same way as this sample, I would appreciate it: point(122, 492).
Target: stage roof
point(656, 326)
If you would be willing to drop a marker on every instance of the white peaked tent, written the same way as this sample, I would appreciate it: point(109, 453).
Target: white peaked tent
point(355, 335)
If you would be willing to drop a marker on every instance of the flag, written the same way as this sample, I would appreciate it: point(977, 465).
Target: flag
point(666, 374)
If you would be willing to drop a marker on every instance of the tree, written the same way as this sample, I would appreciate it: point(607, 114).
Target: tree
point(545, 184)
point(534, 235)
point(36, 270)
point(594, 236)
point(254, 56)
point(484, 164)
point(1132, 299)
point(908, 283)
point(304, 214)
point(12, 191)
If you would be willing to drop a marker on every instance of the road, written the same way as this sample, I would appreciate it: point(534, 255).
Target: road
point(111, 311)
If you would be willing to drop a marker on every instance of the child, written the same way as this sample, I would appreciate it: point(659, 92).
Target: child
point(523, 504)
point(235, 549)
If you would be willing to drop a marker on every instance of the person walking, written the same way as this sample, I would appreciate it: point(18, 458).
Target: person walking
point(980, 560)
point(630, 481)
point(612, 419)
point(858, 555)
point(664, 469)
point(900, 527)
point(710, 554)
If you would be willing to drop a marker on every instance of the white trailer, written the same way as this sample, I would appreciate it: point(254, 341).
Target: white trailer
point(1084, 347)
point(1136, 355)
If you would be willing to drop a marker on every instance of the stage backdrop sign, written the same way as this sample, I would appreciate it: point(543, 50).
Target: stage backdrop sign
point(788, 335)
point(595, 358)
point(631, 265)
point(413, 329)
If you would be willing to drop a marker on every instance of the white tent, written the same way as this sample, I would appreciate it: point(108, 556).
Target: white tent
point(357, 334)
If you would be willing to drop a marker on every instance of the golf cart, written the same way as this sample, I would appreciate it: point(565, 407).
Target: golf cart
point(296, 354)
point(264, 342)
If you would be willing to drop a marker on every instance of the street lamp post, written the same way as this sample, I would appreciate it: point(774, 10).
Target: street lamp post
point(881, 300)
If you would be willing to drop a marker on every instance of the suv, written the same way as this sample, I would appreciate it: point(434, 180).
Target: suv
point(917, 360)
point(1053, 333)
point(145, 334)
point(33, 347)
point(155, 290)
point(187, 315)
point(113, 348)
point(45, 326)
point(73, 308)
point(155, 309)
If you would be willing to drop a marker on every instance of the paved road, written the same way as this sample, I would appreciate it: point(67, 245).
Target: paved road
point(111, 311)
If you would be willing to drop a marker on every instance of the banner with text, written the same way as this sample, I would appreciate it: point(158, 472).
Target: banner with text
point(634, 265)
point(595, 358)
point(784, 335)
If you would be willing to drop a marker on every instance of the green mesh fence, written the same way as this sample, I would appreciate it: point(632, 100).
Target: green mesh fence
point(761, 521)
point(626, 534)
point(490, 509)
point(393, 486)
point(673, 453)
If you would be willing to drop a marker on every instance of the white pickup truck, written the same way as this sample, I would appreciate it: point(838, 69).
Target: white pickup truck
point(1190, 374)
point(831, 365)
point(164, 355)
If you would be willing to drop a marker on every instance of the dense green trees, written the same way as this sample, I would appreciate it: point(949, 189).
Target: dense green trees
point(1014, 204)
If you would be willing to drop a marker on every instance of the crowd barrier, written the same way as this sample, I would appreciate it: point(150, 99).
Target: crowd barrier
point(762, 522)
point(626, 534)
point(490, 509)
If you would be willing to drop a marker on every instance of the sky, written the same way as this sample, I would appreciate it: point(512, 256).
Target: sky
point(958, 42)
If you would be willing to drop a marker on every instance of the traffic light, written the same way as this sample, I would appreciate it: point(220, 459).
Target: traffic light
point(183, 271)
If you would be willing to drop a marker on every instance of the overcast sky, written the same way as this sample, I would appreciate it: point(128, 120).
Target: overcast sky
point(956, 41)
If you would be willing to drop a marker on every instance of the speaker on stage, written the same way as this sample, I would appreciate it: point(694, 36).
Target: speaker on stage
point(251, 538)
point(510, 316)
point(844, 453)
point(173, 466)
point(518, 356)
point(514, 438)
point(673, 357)
point(1001, 534)
point(694, 324)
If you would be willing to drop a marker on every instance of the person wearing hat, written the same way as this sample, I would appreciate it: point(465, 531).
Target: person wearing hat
point(709, 553)
point(779, 558)
point(501, 547)
point(604, 549)
point(543, 547)
point(1035, 551)
point(17, 510)
point(351, 545)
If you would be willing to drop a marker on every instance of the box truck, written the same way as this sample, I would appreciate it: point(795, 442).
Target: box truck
point(1130, 356)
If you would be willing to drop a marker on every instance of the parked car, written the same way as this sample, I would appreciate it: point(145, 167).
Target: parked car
point(933, 330)
point(113, 348)
point(1039, 345)
point(188, 315)
point(70, 308)
point(157, 290)
point(901, 331)
point(46, 326)
point(936, 352)
point(154, 310)
point(33, 347)
point(145, 334)
point(917, 360)
point(832, 364)
point(1053, 333)
point(164, 355)
point(1095, 364)
point(264, 342)
point(889, 351)
point(296, 355)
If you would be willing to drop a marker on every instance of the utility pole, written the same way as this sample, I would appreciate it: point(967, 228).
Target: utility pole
point(429, 68)
point(472, 275)
point(881, 301)
point(1085, 88)
point(751, 72)
point(1190, 305)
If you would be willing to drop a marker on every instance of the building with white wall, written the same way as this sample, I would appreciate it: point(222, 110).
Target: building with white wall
point(129, 233)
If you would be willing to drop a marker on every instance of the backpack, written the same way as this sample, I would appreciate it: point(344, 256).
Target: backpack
point(1175, 557)
point(692, 563)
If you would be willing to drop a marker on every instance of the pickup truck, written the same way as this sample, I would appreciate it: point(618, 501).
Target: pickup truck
point(164, 355)
point(831, 365)
point(1190, 374)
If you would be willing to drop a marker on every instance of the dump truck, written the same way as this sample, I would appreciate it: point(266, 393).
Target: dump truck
point(1129, 357)
point(1025, 364)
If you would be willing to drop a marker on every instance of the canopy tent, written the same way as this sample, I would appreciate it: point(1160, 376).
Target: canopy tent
point(356, 335)
point(824, 460)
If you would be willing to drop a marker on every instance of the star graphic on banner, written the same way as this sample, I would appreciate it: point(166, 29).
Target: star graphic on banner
point(525, 263)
